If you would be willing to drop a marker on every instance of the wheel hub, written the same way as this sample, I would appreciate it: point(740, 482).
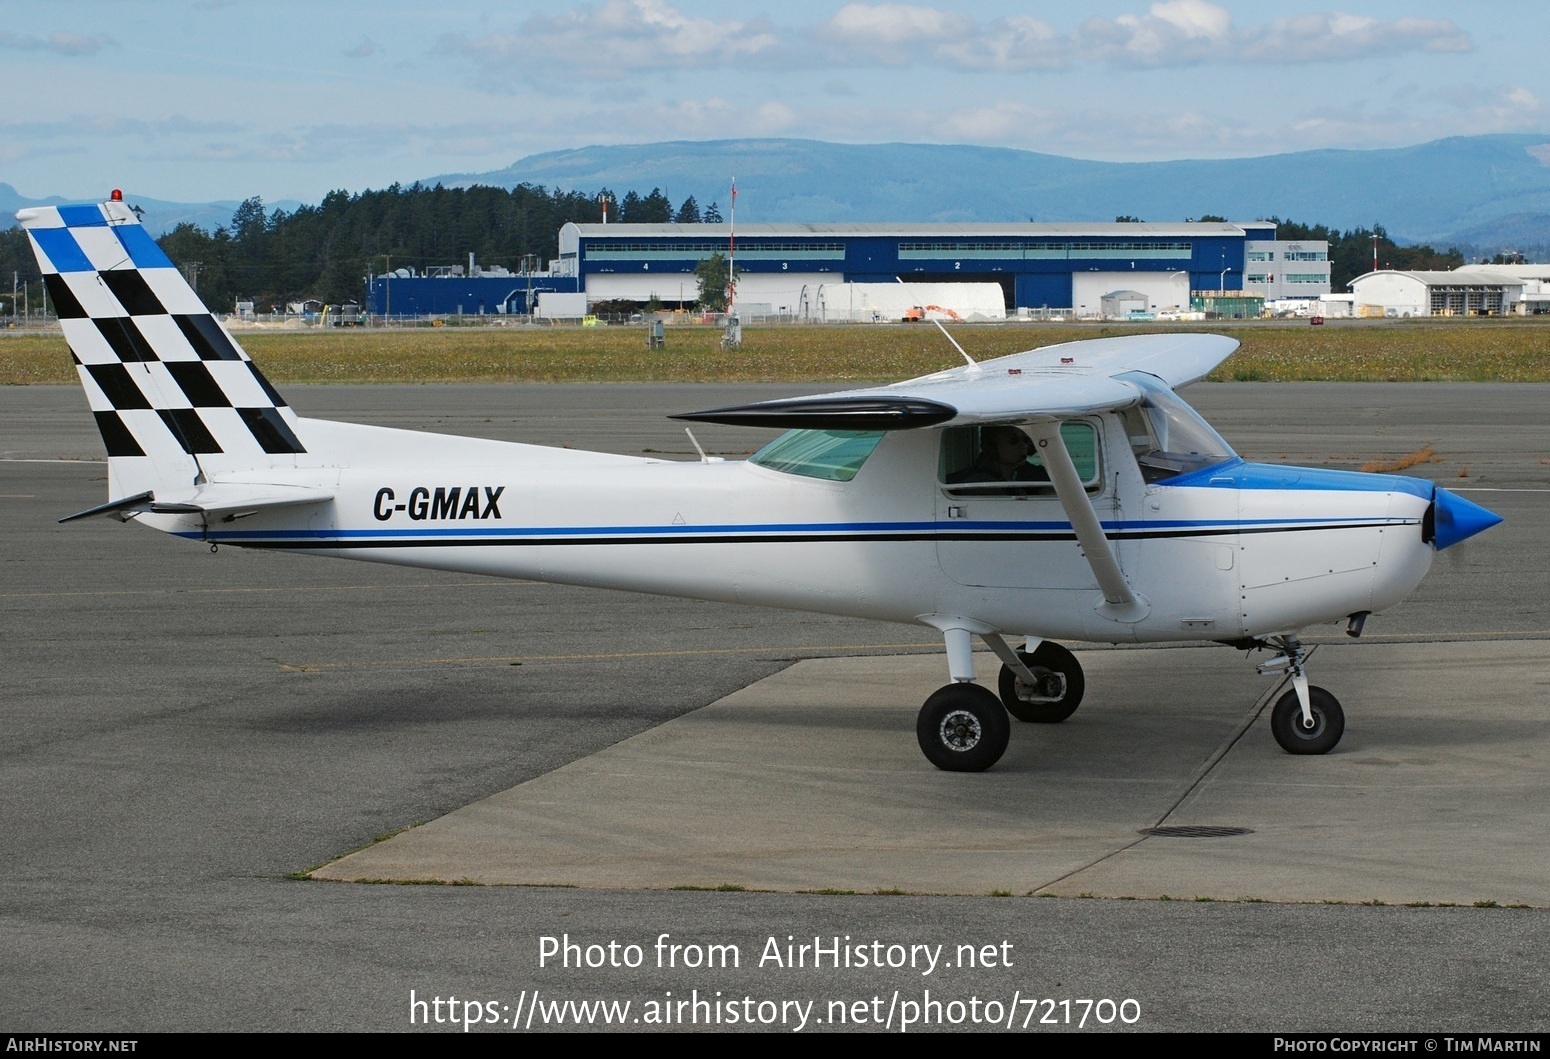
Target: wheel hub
point(1049, 687)
point(960, 730)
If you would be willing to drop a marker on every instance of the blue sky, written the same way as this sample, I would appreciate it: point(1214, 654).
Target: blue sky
point(196, 100)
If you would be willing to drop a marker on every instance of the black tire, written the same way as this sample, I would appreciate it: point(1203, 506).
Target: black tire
point(1050, 661)
point(963, 728)
point(1295, 738)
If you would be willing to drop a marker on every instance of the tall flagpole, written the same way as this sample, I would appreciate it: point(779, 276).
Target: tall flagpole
point(732, 253)
point(732, 337)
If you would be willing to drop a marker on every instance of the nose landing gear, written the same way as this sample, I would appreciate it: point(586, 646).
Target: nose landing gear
point(1306, 719)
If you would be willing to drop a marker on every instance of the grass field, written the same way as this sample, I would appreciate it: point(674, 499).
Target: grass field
point(1409, 351)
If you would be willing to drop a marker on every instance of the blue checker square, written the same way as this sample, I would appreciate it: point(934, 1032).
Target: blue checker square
point(61, 249)
point(83, 216)
point(142, 249)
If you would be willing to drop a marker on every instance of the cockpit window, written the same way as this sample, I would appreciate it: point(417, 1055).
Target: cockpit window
point(833, 455)
point(1168, 436)
point(1001, 460)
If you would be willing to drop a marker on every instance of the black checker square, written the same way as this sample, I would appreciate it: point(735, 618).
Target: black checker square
point(66, 305)
point(271, 430)
point(270, 391)
point(132, 292)
point(206, 336)
point(116, 436)
point(128, 343)
point(194, 379)
point(190, 430)
point(114, 381)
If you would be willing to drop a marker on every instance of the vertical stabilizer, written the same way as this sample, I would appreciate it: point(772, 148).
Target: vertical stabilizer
point(176, 399)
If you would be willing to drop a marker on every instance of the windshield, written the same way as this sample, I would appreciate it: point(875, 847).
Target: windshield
point(833, 455)
point(1168, 436)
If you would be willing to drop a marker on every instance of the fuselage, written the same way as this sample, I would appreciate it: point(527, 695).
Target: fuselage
point(1230, 551)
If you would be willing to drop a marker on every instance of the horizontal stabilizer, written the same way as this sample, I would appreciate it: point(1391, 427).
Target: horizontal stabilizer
point(122, 508)
point(216, 502)
point(227, 501)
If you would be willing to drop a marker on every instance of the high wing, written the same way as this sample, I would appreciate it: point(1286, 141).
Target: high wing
point(1038, 388)
point(1042, 385)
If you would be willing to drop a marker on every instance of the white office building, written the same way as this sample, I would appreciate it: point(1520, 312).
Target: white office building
point(1286, 269)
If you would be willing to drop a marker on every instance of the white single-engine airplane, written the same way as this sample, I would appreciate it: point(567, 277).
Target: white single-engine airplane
point(1062, 493)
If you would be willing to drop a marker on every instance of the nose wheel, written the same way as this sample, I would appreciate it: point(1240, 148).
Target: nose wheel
point(1294, 732)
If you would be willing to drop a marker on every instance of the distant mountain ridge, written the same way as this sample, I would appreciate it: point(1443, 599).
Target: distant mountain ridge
point(1479, 193)
point(161, 216)
point(1482, 192)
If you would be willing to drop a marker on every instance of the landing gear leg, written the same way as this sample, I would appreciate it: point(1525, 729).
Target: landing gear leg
point(1307, 719)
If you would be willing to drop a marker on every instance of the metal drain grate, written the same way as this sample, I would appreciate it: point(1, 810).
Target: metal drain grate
point(1196, 831)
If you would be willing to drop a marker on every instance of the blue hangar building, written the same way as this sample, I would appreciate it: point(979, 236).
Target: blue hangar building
point(784, 267)
point(1056, 266)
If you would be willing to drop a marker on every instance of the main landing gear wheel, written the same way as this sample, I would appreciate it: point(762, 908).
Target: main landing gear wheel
point(1056, 695)
point(1295, 737)
point(963, 728)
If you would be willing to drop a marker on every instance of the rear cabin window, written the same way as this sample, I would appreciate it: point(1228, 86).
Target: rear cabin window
point(833, 455)
point(1001, 460)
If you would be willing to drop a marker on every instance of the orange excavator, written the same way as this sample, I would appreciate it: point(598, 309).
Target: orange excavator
point(918, 313)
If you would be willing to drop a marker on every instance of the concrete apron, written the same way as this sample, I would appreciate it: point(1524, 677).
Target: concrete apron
point(812, 780)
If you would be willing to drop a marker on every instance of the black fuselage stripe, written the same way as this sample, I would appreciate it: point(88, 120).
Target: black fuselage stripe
point(774, 538)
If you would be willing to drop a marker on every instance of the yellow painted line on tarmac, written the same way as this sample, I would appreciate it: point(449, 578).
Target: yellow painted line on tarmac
point(1440, 637)
point(294, 590)
point(781, 650)
point(312, 667)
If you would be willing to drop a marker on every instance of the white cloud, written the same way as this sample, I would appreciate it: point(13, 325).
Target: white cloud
point(1180, 32)
point(1170, 33)
point(612, 42)
point(876, 27)
point(908, 34)
point(1195, 19)
point(625, 38)
point(1011, 44)
point(58, 42)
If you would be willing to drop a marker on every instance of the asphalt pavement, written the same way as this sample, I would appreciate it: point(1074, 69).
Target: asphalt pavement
point(187, 734)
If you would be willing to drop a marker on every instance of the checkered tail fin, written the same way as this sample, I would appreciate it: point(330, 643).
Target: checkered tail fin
point(176, 400)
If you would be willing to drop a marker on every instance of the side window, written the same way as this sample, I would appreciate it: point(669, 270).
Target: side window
point(833, 455)
point(1001, 460)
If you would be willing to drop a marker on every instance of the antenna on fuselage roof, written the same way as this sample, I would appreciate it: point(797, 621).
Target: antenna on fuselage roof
point(942, 329)
point(701, 450)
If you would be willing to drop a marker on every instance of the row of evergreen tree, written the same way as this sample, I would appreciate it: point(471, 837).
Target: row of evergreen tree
point(326, 251)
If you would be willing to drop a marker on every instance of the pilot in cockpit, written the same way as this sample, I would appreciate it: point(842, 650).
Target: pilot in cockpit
point(1003, 457)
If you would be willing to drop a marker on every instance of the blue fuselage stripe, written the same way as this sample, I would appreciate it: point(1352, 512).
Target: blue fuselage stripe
point(775, 532)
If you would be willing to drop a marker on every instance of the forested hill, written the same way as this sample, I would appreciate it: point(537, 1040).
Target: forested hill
point(326, 251)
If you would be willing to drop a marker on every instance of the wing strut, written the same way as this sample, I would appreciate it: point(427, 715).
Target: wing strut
point(1120, 602)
